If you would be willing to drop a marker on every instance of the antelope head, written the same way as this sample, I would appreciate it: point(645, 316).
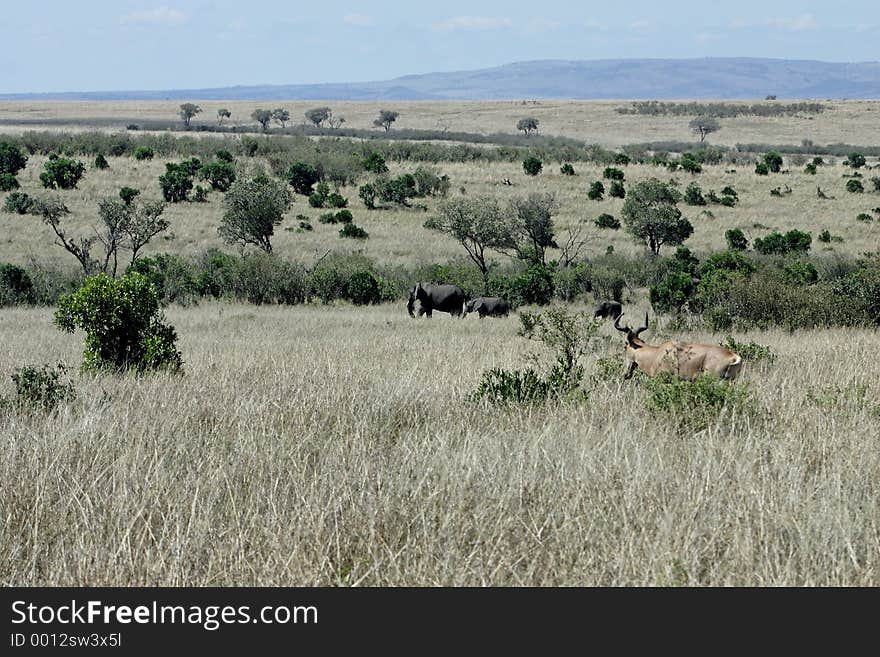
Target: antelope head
point(633, 344)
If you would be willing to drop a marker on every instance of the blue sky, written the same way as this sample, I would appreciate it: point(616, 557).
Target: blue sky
point(96, 45)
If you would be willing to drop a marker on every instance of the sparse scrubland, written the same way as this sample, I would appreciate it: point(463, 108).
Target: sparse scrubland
point(316, 435)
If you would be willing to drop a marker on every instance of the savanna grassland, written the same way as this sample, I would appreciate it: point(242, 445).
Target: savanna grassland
point(340, 445)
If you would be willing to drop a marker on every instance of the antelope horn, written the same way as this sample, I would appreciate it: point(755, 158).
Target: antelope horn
point(624, 329)
point(641, 328)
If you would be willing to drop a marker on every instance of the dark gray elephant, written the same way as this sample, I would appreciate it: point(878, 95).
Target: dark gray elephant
point(492, 306)
point(444, 298)
point(606, 309)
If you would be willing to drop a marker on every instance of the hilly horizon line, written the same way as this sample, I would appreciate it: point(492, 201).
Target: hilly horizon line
point(719, 78)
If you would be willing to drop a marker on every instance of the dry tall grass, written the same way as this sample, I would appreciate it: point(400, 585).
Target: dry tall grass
point(337, 446)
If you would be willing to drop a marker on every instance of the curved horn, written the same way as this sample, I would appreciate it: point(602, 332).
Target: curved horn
point(641, 328)
point(622, 329)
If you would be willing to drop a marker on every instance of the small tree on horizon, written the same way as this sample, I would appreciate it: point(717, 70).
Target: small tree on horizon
point(386, 118)
point(704, 126)
point(262, 116)
point(318, 115)
point(527, 125)
point(222, 113)
point(188, 111)
point(281, 115)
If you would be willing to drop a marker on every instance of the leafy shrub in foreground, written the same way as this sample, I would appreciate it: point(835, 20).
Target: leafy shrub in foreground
point(61, 172)
point(694, 404)
point(532, 166)
point(16, 286)
point(354, 232)
point(8, 182)
point(41, 389)
point(606, 220)
point(123, 325)
point(751, 352)
point(17, 203)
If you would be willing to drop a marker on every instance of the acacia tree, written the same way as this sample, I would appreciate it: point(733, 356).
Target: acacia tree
point(704, 126)
point(51, 211)
point(386, 118)
point(262, 116)
point(318, 115)
point(253, 208)
point(281, 115)
point(188, 111)
point(222, 113)
point(477, 223)
point(651, 215)
point(144, 223)
point(528, 125)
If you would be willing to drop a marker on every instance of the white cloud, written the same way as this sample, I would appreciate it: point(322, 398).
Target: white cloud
point(357, 19)
point(641, 25)
point(473, 23)
point(158, 16)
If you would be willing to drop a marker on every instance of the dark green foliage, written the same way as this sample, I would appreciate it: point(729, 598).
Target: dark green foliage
point(533, 286)
point(617, 189)
point(344, 217)
point(363, 288)
point(224, 155)
point(176, 183)
point(797, 272)
point(810, 169)
point(375, 163)
point(693, 195)
point(793, 241)
point(17, 203)
point(519, 387)
point(367, 193)
point(825, 236)
point(865, 217)
point(220, 174)
point(12, 159)
point(670, 294)
point(689, 162)
point(855, 186)
point(567, 170)
point(101, 162)
point(607, 221)
point(8, 182)
point(123, 325)
point(41, 389)
point(752, 352)
point(200, 194)
point(61, 172)
point(354, 232)
point(855, 160)
point(597, 191)
point(729, 191)
point(264, 278)
point(336, 200)
point(302, 177)
point(143, 153)
point(396, 190)
point(721, 109)
point(532, 165)
point(685, 261)
point(727, 261)
point(773, 162)
point(318, 115)
point(728, 201)
point(128, 194)
point(218, 272)
point(527, 125)
point(610, 173)
point(762, 169)
point(16, 286)
point(430, 182)
point(736, 240)
point(621, 159)
point(386, 118)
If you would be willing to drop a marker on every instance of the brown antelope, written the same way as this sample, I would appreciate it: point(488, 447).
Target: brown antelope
point(684, 359)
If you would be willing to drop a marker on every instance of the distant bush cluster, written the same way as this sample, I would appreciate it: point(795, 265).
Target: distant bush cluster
point(720, 110)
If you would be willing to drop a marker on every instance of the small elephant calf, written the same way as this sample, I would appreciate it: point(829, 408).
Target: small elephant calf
point(492, 306)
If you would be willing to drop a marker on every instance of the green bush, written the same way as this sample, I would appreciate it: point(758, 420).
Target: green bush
point(367, 194)
point(810, 169)
point(12, 158)
point(607, 221)
point(855, 160)
point(736, 240)
point(597, 191)
point(336, 200)
point(18, 203)
point(533, 286)
point(752, 352)
point(825, 236)
point(865, 217)
point(689, 162)
point(101, 162)
point(430, 182)
point(611, 173)
point(728, 201)
point(302, 177)
point(16, 286)
point(265, 278)
point(773, 161)
point(61, 172)
point(217, 274)
point(143, 153)
point(617, 190)
point(354, 232)
point(396, 190)
point(8, 182)
point(200, 194)
point(343, 217)
point(693, 195)
point(794, 241)
point(173, 278)
point(375, 163)
point(176, 183)
point(123, 325)
point(762, 169)
point(855, 186)
point(224, 155)
point(500, 386)
point(797, 272)
point(363, 288)
point(567, 170)
point(532, 165)
point(219, 174)
point(41, 389)
point(670, 294)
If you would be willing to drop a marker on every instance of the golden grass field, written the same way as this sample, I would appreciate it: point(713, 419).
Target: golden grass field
point(334, 445)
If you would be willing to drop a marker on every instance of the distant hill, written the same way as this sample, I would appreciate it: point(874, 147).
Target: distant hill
point(711, 78)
